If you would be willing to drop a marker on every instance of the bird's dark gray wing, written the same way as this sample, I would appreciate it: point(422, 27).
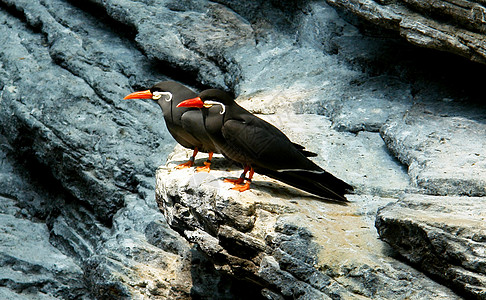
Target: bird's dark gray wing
point(264, 145)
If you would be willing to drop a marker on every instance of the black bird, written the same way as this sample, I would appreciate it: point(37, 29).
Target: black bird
point(260, 146)
point(186, 125)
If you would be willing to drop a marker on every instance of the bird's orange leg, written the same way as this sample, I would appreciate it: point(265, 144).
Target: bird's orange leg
point(207, 164)
point(190, 162)
point(245, 186)
point(239, 180)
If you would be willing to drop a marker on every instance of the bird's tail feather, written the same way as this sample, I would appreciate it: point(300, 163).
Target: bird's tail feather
point(302, 150)
point(319, 183)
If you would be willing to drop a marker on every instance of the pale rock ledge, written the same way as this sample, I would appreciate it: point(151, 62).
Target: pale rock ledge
point(287, 243)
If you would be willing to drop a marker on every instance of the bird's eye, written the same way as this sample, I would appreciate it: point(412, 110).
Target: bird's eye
point(157, 95)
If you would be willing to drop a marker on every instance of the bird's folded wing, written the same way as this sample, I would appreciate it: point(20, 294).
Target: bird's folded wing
point(265, 145)
point(249, 138)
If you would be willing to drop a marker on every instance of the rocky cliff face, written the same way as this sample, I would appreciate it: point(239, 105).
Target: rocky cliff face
point(77, 197)
point(453, 26)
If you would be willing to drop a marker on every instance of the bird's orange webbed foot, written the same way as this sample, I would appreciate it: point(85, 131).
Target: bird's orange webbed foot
point(243, 187)
point(187, 164)
point(234, 181)
point(239, 181)
point(190, 162)
point(206, 168)
point(207, 164)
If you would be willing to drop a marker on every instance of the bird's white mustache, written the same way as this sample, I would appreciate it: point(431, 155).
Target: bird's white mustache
point(209, 103)
point(158, 95)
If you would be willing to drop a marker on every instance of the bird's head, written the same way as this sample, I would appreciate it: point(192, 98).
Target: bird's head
point(159, 91)
point(208, 99)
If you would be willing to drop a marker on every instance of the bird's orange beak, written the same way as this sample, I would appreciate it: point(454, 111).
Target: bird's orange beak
point(194, 102)
point(139, 95)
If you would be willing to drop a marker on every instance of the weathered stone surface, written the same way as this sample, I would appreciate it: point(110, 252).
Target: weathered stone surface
point(30, 267)
point(63, 76)
point(190, 36)
point(453, 26)
point(444, 236)
point(64, 68)
point(39, 117)
point(333, 148)
point(445, 151)
point(289, 243)
point(53, 248)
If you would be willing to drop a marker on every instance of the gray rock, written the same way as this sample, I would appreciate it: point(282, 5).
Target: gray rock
point(456, 27)
point(444, 149)
point(289, 243)
point(37, 126)
point(72, 255)
point(444, 236)
point(191, 36)
point(85, 159)
point(62, 111)
point(334, 147)
point(30, 266)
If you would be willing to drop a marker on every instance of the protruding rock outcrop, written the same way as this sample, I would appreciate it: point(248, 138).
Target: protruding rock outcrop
point(453, 26)
point(286, 242)
point(443, 236)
